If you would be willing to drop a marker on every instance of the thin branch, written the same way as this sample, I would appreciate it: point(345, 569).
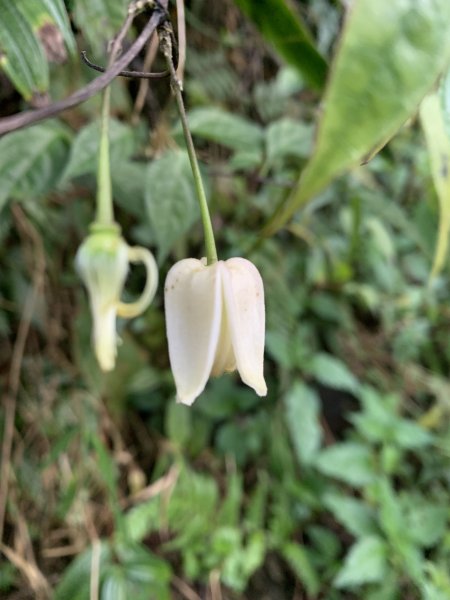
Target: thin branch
point(134, 74)
point(166, 36)
point(27, 118)
point(10, 399)
point(144, 84)
point(181, 29)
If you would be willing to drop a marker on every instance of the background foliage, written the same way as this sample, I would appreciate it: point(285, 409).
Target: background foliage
point(337, 484)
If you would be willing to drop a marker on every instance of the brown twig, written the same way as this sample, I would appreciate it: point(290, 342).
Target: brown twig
point(181, 29)
point(144, 84)
point(95, 569)
point(30, 571)
point(29, 117)
point(162, 485)
point(132, 74)
point(10, 399)
point(214, 585)
point(182, 587)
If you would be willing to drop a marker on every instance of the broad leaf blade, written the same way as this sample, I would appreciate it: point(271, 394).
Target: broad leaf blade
point(390, 55)
point(365, 563)
point(224, 128)
point(99, 20)
point(84, 151)
point(170, 199)
point(438, 142)
point(283, 27)
point(21, 55)
point(51, 25)
point(303, 421)
point(57, 10)
point(21, 151)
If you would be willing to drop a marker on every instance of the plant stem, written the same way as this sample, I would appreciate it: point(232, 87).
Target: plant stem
point(105, 210)
point(105, 215)
point(210, 244)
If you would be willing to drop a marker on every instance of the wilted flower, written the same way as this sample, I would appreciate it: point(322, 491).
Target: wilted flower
point(215, 320)
point(102, 262)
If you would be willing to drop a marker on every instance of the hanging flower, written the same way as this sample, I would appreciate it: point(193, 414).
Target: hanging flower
point(215, 320)
point(102, 262)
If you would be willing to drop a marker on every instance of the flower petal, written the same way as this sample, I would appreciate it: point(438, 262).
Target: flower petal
point(105, 336)
point(224, 359)
point(244, 305)
point(193, 303)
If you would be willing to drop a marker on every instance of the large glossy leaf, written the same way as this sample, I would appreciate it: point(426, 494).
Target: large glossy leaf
point(390, 55)
point(21, 55)
point(283, 27)
point(438, 142)
point(25, 152)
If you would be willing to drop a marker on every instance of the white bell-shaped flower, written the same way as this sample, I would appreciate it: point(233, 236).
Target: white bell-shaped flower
point(102, 262)
point(215, 319)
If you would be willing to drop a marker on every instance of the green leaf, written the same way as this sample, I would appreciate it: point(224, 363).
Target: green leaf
point(143, 569)
point(84, 151)
point(356, 516)
point(75, 581)
point(115, 585)
point(298, 559)
point(143, 519)
point(288, 138)
point(333, 373)
point(410, 435)
point(438, 143)
point(393, 521)
point(426, 522)
point(256, 509)
point(27, 153)
point(282, 26)
point(390, 55)
point(128, 184)
point(302, 419)
point(170, 199)
point(99, 20)
point(229, 513)
point(350, 462)
point(444, 90)
point(365, 563)
point(21, 55)
point(57, 10)
point(48, 19)
point(232, 131)
point(178, 424)
point(379, 422)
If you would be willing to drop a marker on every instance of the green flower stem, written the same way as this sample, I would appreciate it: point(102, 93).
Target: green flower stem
point(210, 244)
point(105, 215)
point(105, 211)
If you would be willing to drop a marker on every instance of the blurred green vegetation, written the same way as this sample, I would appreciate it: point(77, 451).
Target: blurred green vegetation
point(336, 485)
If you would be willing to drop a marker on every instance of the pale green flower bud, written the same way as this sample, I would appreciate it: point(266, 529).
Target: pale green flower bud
point(102, 262)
